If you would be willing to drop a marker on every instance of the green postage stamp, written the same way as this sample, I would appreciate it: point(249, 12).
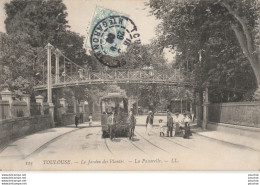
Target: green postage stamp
point(110, 33)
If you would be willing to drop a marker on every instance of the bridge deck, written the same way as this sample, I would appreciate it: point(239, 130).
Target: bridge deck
point(117, 76)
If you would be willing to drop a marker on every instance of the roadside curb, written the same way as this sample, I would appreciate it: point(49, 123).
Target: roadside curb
point(49, 141)
point(42, 147)
point(226, 142)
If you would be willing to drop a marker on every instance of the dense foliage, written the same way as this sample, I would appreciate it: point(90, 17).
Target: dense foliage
point(30, 25)
point(216, 40)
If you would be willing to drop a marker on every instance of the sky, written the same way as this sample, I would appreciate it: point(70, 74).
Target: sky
point(80, 15)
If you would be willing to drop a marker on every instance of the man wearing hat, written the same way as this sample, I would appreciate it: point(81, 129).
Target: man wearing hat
point(132, 122)
point(178, 131)
point(111, 125)
point(149, 122)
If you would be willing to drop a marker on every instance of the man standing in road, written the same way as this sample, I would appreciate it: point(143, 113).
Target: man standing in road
point(169, 124)
point(111, 125)
point(131, 121)
point(177, 120)
point(149, 122)
point(76, 120)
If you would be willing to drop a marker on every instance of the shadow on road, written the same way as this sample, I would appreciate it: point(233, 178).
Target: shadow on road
point(87, 136)
point(79, 126)
point(135, 139)
point(46, 131)
point(117, 140)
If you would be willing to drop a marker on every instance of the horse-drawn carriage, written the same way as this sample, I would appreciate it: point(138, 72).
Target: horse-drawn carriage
point(114, 114)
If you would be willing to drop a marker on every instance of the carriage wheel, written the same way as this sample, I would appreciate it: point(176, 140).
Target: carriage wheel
point(105, 134)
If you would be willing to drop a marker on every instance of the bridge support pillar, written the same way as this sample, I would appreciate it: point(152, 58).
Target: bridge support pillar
point(199, 108)
point(75, 105)
point(57, 66)
point(81, 106)
point(49, 82)
point(51, 112)
point(205, 109)
point(63, 104)
point(137, 113)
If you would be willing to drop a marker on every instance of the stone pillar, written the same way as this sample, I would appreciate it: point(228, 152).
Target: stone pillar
point(39, 99)
point(137, 113)
point(197, 113)
point(63, 104)
point(205, 109)
point(7, 96)
point(51, 112)
point(199, 108)
point(93, 107)
point(26, 98)
point(86, 110)
point(81, 106)
point(181, 106)
point(57, 66)
point(49, 80)
point(75, 105)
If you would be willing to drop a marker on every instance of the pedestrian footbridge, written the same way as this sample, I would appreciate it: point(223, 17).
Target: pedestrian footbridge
point(116, 76)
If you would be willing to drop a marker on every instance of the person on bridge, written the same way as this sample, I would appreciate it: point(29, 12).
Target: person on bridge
point(169, 124)
point(132, 122)
point(149, 122)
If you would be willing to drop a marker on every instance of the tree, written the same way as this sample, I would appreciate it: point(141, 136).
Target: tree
point(138, 56)
point(42, 21)
point(203, 34)
point(30, 25)
point(17, 63)
point(245, 28)
point(71, 45)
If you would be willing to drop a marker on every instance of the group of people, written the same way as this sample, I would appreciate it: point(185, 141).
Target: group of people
point(181, 122)
point(131, 121)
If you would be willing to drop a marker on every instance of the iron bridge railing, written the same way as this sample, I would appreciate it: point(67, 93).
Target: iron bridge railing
point(174, 77)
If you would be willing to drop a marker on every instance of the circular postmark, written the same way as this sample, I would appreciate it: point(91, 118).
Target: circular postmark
point(110, 36)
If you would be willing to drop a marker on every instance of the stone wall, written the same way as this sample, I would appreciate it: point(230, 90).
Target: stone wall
point(69, 118)
point(17, 127)
point(236, 113)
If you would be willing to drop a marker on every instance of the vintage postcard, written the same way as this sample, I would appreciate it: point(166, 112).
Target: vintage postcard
point(91, 85)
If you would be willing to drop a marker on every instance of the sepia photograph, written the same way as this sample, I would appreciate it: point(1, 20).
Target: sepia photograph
point(129, 85)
